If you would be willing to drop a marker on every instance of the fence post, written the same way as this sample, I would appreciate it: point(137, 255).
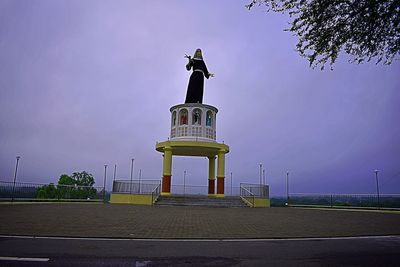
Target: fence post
point(331, 201)
point(104, 185)
point(15, 178)
point(287, 188)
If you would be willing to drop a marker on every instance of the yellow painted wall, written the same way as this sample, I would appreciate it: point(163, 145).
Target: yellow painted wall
point(130, 199)
point(259, 202)
point(262, 203)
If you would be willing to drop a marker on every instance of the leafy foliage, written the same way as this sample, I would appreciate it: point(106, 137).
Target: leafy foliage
point(364, 29)
point(77, 186)
point(66, 180)
point(47, 191)
point(83, 179)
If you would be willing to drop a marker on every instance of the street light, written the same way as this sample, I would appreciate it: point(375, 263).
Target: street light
point(15, 178)
point(260, 177)
point(287, 188)
point(115, 171)
point(184, 182)
point(231, 184)
point(264, 181)
point(104, 185)
point(263, 189)
point(140, 177)
point(377, 187)
point(130, 185)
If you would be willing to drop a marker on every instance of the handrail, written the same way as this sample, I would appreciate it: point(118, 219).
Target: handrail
point(251, 195)
point(156, 190)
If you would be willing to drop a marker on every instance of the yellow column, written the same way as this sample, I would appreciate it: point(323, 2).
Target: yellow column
point(167, 166)
point(221, 173)
point(211, 176)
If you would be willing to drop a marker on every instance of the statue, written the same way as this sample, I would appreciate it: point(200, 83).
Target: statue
point(195, 89)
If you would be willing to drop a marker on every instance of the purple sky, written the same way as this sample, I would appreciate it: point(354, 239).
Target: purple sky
point(88, 83)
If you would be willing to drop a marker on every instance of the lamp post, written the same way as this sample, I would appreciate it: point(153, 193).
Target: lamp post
point(104, 184)
point(130, 185)
point(140, 177)
point(377, 187)
point(264, 180)
point(115, 174)
point(15, 178)
point(287, 188)
point(184, 182)
point(115, 171)
point(260, 178)
point(231, 184)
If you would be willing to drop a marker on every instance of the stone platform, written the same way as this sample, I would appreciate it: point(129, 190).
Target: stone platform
point(138, 221)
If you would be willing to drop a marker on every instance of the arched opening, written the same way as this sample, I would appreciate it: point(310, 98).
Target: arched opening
point(183, 117)
point(174, 119)
point(196, 117)
point(209, 118)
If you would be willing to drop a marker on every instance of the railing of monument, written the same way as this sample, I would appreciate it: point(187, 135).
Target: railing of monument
point(247, 196)
point(145, 187)
point(24, 191)
point(202, 190)
point(345, 200)
point(249, 192)
point(260, 191)
point(155, 193)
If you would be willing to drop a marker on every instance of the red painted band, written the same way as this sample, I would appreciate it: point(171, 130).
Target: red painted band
point(166, 184)
point(220, 185)
point(211, 187)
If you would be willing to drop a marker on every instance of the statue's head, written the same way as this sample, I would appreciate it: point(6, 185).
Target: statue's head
point(198, 53)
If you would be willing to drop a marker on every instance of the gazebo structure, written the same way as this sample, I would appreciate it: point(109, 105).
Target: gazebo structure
point(193, 133)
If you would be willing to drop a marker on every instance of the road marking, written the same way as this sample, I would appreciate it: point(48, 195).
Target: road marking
point(202, 240)
point(23, 259)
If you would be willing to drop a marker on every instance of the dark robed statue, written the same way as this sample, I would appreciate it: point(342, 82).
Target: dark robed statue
point(195, 89)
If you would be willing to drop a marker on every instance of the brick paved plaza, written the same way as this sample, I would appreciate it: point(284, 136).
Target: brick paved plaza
point(134, 221)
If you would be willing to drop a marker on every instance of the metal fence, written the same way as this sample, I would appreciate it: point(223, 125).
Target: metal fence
point(345, 200)
point(21, 191)
point(201, 190)
point(146, 187)
point(155, 193)
point(135, 186)
point(248, 192)
point(257, 190)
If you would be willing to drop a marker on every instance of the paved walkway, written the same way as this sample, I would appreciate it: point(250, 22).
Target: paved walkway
point(134, 221)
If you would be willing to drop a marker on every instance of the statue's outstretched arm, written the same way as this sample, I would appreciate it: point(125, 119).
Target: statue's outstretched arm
point(190, 63)
point(207, 74)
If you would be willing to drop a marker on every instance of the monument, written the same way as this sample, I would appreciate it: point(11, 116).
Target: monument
point(194, 132)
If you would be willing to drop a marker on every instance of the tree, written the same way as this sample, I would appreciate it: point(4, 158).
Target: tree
point(66, 180)
point(364, 29)
point(77, 186)
point(47, 192)
point(83, 178)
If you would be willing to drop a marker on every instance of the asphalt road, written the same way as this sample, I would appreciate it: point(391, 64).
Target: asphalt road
point(359, 251)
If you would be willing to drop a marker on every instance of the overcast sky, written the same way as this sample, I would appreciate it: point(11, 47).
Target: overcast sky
point(88, 83)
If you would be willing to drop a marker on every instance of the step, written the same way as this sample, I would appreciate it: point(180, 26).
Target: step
point(233, 202)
